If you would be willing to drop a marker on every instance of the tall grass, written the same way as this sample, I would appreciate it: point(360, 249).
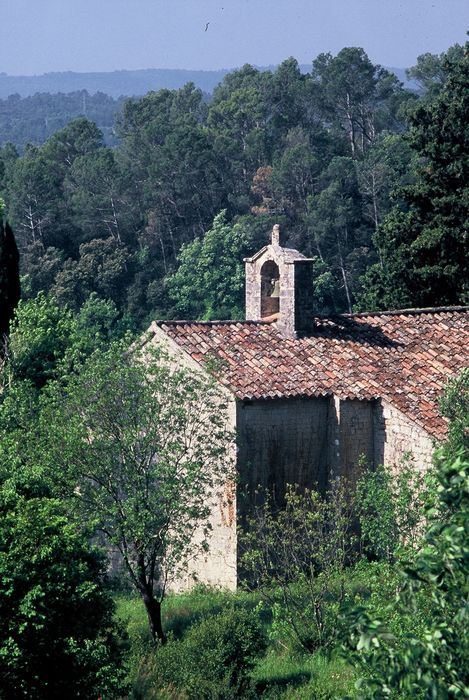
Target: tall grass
point(281, 673)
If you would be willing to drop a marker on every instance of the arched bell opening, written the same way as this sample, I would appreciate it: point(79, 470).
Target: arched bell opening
point(270, 289)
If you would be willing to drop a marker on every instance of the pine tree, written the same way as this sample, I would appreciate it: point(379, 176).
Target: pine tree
point(423, 240)
point(9, 277)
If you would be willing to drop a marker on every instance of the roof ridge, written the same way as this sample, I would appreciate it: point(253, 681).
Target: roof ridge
point(359, 314)
point(179, 322)
point(410, 312)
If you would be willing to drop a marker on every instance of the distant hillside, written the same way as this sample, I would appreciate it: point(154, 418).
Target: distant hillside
point(35, 118)
point(115, 84)
point(123, 82)
point(32, 108)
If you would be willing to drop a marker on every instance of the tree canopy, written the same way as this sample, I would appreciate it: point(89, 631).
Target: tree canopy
point(120, 222)
point(423, 240)
point(138, 450)
point(57, 636)
point(209, 282)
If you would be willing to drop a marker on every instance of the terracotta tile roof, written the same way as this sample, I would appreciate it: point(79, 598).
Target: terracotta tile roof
point(404, 357)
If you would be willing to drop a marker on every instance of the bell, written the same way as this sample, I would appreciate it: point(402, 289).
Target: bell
point(275, 289)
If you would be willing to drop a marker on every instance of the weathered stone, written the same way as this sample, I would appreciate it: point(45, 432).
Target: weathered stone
point(295, 287)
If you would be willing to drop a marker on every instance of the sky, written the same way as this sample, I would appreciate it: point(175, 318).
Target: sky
point(40, 36)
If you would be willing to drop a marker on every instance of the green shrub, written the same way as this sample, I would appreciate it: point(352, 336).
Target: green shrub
point(180, 613)
point(390, 505)
point(295, 556)
point(216, 657)
point(430, 660)
point(454, 405)
point(57, 635)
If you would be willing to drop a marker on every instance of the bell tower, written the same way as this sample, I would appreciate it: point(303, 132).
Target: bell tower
point(279, 288)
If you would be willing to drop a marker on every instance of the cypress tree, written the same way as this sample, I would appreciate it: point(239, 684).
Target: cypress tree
point(9, 277)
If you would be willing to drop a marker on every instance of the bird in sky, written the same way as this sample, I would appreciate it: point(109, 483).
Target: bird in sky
point(206, 26)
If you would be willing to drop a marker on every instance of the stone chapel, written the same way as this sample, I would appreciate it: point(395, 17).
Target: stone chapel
point(310, 395)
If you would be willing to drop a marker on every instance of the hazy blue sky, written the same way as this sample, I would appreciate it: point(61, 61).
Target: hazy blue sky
point(38, 36)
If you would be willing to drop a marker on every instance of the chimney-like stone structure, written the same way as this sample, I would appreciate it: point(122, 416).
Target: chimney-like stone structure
point(276, 235)
point(279, 287)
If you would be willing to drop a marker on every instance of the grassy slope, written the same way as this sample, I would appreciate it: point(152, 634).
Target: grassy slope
point(281, 673)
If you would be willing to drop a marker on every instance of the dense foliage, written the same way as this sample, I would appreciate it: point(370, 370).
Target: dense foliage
point(216, 657)
point(125, 443)
point(209, 282)
point(390, 504)
point(423, 241)
point(295, 556)
point(57, 636)
point(454, 405)
point(426, 654)
point(36, 118)
point(319, 152)
point(431, 662)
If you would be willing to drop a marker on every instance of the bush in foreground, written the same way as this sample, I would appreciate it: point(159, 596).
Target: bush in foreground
point(57, 637)
point(434, 663)
point(216, 657)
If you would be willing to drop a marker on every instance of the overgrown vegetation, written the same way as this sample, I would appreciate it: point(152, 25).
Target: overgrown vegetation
point(271, 673)
point(57, 635)
point(336, 627)
point(124, 442)
point(390, 505)
point(295, 556)
point(429, 660)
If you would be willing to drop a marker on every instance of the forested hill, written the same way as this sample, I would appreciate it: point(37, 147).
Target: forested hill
point(34, 119)
point(115, 83)
point(32, 108)
point(129, 83)
point(365, 176)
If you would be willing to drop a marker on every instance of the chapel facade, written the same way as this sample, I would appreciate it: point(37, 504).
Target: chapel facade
point(310, 396)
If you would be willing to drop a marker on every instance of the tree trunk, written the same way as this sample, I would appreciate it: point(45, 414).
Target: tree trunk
point(344, 275)
point(350, 118)
point(152, 605)
point(153, 608)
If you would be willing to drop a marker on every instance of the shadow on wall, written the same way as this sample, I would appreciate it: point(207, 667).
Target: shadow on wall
point(304, 441)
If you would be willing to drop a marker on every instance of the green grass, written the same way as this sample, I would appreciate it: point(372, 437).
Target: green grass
point(279, 674)
point(305, 677)
point(179, 611)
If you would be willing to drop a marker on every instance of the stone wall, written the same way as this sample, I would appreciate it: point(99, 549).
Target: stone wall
point(399, 435)
point(354, 437)
point(218, 567)
point(286, 322)
point(281, 441)
point(253, 291)
point(379, 433)
point(308, 441)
